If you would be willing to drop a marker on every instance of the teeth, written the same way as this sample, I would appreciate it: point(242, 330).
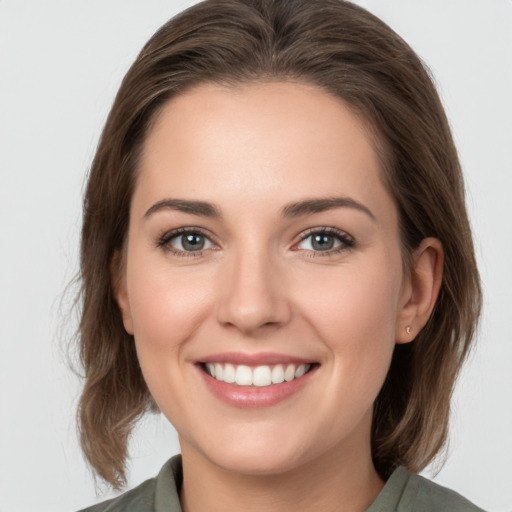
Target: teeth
point(289, 373)
point(229, 373)
point(219, 371)
point(260, 376)
point(300, 371)
point(278, 374)
point(243, 376)
point(211, 369)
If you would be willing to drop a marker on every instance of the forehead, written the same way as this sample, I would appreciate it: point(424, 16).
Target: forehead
point(255, 139)
point(291, 109)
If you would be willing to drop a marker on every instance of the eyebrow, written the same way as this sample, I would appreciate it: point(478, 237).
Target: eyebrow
point(295, 209)
point(202, 208)
point(309, 206)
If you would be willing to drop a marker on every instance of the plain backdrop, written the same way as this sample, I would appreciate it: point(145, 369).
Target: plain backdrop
point(61, 62)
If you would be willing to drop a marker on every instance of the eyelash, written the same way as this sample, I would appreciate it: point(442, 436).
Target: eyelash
point(347, 242)
point(165, 240)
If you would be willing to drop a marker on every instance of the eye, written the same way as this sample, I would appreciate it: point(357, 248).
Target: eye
point(186, 240)
point(327, 240)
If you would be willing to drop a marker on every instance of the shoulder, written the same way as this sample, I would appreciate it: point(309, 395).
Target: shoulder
point(149, 495)
point(141, 498)
point(407, 492)
point(423, 495)
point(429, 493)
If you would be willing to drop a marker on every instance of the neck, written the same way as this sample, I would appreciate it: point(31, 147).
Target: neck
point(342, 480)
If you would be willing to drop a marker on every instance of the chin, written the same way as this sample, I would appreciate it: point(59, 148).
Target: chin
point(255, 453)
point(257, 463)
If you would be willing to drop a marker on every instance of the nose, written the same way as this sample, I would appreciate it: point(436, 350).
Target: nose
point(253, 297)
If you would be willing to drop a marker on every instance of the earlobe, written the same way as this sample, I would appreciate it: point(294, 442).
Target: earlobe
point(120, 291)
point(422, 291)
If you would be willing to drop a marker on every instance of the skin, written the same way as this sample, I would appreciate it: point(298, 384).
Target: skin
point(259, 285)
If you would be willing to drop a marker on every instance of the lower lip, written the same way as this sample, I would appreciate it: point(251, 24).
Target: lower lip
point(251, 397)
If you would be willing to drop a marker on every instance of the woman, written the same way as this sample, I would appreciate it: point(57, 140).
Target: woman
point(276, 254)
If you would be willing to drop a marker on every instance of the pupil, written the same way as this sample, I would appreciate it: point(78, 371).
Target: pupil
point(193, 242)
point(323, 242)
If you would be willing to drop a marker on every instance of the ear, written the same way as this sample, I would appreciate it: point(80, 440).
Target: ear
point(421, 289)
point(118, 280)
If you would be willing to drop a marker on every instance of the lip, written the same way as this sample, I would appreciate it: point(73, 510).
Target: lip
point(251, 397)
point(259, 359)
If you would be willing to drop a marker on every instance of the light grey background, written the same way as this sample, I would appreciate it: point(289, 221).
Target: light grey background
point(60, 65)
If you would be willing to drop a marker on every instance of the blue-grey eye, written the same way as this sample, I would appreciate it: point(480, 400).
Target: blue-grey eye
point(321, 242)
point(189, 242)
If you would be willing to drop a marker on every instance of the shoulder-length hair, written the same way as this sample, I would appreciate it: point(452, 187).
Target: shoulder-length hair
point(354, 56)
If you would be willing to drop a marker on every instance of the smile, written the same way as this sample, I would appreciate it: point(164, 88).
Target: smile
point(259, 376)
point(264, 379)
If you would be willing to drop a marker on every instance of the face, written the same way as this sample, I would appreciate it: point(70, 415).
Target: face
point(263, 278)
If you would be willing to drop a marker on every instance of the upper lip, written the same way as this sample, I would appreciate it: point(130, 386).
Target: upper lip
point(262, 358)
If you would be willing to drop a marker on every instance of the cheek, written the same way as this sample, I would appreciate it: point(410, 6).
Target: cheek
point(354, 312)
point(167, 310)
point(354, 301)
point(167, 307)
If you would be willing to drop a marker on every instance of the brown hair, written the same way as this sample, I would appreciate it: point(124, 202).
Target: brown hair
point(353, 55)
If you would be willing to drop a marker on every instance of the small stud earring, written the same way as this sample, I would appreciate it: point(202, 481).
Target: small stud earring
point(408, 329)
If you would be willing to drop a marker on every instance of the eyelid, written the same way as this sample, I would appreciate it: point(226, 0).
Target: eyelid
point(164, 240)
point(347, 241)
